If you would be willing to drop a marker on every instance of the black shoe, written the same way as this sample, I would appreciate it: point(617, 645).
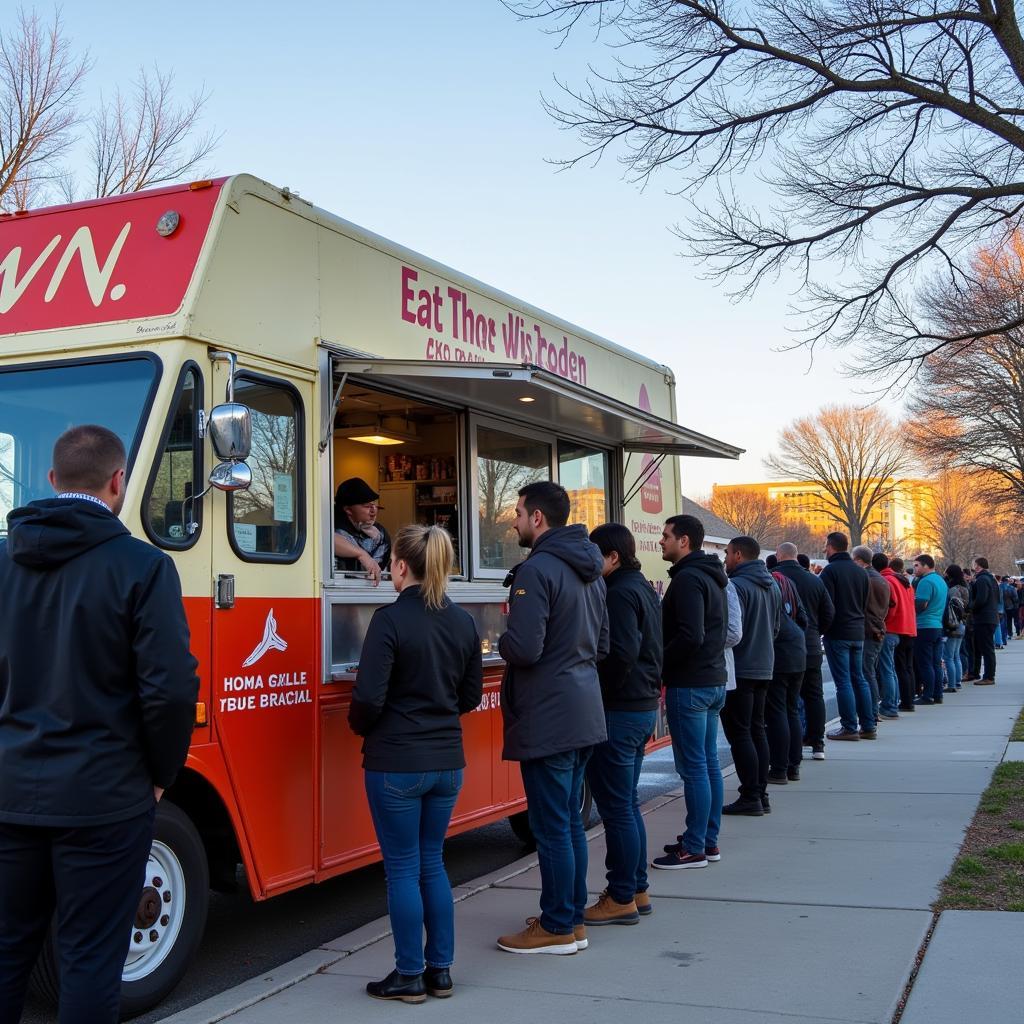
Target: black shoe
point(907, 707)
point(438, 982)
point(923, 700)
point(408, 988)
point(793, 774)
point(752, 808)
point(766, 806)
point(868, 734)
point(777, 778)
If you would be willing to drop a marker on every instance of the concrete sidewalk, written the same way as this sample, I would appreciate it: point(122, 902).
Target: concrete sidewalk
point(815, 912)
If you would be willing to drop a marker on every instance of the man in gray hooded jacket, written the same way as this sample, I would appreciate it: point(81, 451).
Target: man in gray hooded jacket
point(551, 703)
point(743, 714)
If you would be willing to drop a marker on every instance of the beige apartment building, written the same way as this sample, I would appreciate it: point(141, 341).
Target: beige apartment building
point(901, 516)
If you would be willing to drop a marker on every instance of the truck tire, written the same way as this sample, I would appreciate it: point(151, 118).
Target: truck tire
point(169, 922)
point(520, 823)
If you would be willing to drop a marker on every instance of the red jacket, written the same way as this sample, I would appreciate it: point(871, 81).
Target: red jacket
point(901, 619)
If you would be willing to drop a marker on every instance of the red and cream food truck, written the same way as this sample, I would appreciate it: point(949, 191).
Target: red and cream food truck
point(351, 356)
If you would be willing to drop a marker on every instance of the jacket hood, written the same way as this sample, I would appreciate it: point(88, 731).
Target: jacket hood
point(899, 578)
point(47, 534)
point(572, 545)
point(756, 572)
point(700, 561)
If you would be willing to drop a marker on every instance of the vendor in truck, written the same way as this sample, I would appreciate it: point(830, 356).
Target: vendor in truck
point(361, 544)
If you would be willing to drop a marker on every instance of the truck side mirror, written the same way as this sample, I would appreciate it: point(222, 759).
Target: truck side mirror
point(230, 429)
point(231, 476)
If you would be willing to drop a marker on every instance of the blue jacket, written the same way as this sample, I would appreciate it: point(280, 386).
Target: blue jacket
point(557, 632)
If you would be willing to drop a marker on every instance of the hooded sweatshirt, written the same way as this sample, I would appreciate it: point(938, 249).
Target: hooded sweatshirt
point(901, 619)
point(695, 620)
point(557, 631)
point(97, 685)
point(762, 609)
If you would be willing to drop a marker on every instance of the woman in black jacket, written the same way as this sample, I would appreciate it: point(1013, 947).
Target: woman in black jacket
point(420, 669)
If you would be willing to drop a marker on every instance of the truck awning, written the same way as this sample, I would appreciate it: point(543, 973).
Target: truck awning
point(550, 401)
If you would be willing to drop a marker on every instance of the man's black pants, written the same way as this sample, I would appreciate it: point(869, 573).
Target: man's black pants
point(814, 702)
point(743, 722)
point(782, 721)
point(904, 660)
point(92, 877)
point(984, 649)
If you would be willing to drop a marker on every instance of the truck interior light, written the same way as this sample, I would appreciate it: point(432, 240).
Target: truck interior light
point(375, 439)
point(527, 398)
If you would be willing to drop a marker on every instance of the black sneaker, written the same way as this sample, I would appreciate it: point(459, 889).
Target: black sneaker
point(675, 847)
point(766, 805)
point(843, 734)
point(713, 853)
point(777, 778)
point(751, 808)
point(793, 774)
point(818, 753)
point(675, 861)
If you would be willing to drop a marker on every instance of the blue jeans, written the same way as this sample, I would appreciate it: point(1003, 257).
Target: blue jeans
point(1001, 630)
point(954, 666)
point(692, 713)
point(888, 684)
point(411, 812)
point(928, 663)
point(614, 773)
point(853, 695)
point(554, 792)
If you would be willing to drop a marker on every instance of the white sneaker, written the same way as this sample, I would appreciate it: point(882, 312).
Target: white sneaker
point(818, 755)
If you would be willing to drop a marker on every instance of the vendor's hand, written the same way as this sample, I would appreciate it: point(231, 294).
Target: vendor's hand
point(372, 569)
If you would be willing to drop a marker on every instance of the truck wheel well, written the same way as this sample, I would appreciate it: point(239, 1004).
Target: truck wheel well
point(201, 802)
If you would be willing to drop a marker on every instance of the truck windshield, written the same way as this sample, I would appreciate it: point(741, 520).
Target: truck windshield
point(38, 404)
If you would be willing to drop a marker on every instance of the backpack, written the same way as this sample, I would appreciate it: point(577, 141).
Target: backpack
point(953, 616)
point(790, 599)
point(1009, 597)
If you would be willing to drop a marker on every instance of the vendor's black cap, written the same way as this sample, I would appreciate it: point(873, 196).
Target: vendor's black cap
point(355, 491)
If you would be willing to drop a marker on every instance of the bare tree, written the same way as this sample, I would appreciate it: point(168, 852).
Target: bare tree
point(968, 404)
point(855, 456)
point(145, 138)
point(751, 511)
point(951, 521)
point(40, 80)
point(889, 132)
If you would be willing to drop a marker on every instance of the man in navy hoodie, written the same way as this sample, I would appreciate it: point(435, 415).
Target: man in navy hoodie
point(551, 703)
point(743, 714)
point(97, 705)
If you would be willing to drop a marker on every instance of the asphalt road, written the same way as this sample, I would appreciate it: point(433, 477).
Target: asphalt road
point(243, 939)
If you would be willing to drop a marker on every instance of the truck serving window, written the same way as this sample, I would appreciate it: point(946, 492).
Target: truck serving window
point(168, 508)
point(38, 403)
point(268, 521)
point(583, 472)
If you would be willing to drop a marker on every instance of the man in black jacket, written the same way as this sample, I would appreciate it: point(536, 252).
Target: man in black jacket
point(695, 619)
point(97, 705)
point(820, 611)
point(847, 586)
point(631, 688)
point(551, 702)
point(985, 606)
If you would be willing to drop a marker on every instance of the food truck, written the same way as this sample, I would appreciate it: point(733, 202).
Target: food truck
point(253, 351)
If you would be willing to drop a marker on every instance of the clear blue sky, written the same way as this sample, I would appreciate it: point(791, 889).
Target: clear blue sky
point(422, 121)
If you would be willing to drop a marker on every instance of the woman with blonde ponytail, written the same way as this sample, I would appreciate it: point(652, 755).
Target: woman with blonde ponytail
point(420, 669)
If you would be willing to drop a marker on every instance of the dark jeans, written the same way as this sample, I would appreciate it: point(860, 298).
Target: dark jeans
point(782, 721)
point(814, 702)
point(905, 671)
point(93, 877)
point(614, 773)
point(554, 791)
point(928, 663)
point(853, 695)
point(692, 713)
point(743, 722)
point(872, 652)
point(984, 649)
point(411, 812)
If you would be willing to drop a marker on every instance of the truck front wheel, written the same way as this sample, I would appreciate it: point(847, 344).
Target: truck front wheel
point(169, 920)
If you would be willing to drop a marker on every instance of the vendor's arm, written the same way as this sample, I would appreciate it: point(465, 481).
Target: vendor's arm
point(345, 547)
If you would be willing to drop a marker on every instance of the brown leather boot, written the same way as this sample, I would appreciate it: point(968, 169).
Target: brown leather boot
point(644, 907)
point(608, 911)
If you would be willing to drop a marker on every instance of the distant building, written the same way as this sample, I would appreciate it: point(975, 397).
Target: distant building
point(901, 516)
